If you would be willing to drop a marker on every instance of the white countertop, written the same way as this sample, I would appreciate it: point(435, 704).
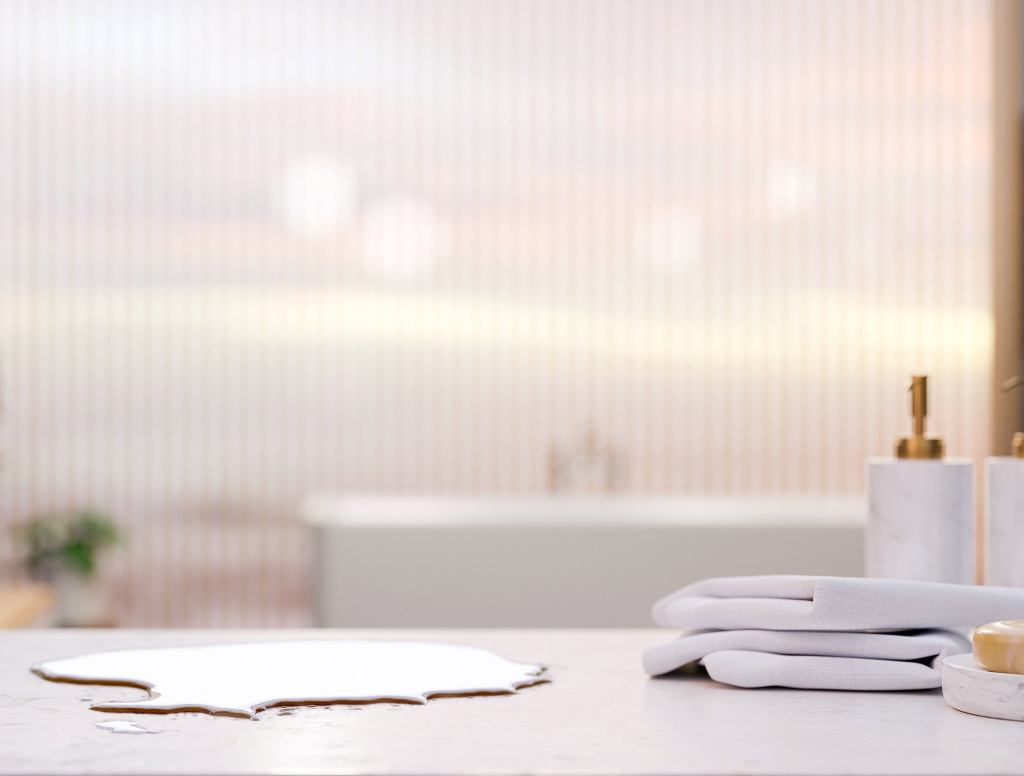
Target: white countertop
point(600, 715)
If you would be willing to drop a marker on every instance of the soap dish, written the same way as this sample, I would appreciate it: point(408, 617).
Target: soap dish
point(968, 687)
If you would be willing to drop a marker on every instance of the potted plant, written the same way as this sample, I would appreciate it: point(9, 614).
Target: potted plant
point(64, 549)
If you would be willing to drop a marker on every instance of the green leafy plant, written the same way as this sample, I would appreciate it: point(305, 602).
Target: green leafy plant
point(69, 541)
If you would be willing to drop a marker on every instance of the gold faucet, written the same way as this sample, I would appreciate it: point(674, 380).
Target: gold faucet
point(1018, 438)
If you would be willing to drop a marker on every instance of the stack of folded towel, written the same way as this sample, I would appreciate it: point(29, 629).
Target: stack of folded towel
point(830, 633)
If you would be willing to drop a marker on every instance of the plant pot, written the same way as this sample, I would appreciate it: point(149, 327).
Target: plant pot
point(81, 600)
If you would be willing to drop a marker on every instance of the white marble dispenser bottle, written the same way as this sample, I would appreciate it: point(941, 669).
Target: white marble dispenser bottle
point(920, 507)
point(1004, 502)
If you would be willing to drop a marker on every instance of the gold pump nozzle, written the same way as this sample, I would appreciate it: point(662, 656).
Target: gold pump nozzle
point(1018, 438)
point(917, 446)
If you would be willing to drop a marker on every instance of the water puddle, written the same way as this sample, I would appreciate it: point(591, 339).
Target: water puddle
point(243, 679)
point(123, 726)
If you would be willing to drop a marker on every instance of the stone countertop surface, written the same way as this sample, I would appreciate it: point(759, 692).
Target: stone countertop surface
point(599, 715)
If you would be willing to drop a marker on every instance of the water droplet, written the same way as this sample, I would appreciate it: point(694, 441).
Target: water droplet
point(124, 726)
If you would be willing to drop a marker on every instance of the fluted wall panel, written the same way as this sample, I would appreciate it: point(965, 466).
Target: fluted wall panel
point(251, 249)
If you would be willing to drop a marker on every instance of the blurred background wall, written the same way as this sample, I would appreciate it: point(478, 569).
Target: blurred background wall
point(253, 249)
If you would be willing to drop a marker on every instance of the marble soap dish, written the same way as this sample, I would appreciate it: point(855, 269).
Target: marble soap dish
point(968, 687)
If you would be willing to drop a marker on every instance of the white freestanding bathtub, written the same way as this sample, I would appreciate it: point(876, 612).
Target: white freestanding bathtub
point(543, 562)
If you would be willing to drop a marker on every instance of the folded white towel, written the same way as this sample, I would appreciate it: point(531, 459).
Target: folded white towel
point(764, 669)
point(812, 659)
point(834, 604)
point(809, 632)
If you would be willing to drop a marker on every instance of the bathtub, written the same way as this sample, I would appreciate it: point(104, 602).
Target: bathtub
point(544, 562)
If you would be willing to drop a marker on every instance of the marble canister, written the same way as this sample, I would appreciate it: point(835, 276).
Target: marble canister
point(1004, 486)
point(920, 520)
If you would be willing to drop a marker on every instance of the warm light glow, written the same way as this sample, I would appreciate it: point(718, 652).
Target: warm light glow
point(460, 323)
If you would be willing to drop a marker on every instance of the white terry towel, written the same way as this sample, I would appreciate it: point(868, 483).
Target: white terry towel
point(811, 659)
point(804, 603)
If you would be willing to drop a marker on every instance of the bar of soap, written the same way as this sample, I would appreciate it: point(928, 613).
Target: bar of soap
point(999, 647)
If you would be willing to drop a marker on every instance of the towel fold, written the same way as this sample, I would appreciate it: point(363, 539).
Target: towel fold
point(764, 669)
point(834, 604)
point(812, 659)
point(833, 633)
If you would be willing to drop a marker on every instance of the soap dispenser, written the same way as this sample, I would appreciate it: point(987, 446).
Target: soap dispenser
point(1004, 501)
point(920, 507)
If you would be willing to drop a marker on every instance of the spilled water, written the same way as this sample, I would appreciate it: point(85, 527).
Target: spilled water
point(242, 679)
point(123, 726)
